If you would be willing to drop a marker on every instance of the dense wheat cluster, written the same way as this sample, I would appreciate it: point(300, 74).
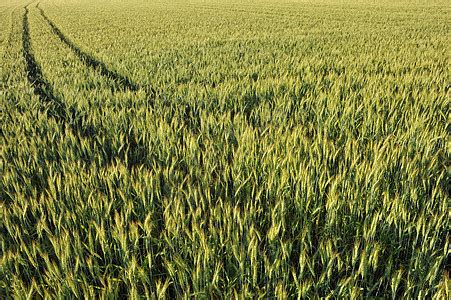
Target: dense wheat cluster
point(224, 149)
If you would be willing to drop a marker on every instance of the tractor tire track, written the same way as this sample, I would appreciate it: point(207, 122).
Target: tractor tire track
point(133, 154)
point(57, 109)
point(190, 118)
point(190, 114)
point(122, 82)
point(138, 151)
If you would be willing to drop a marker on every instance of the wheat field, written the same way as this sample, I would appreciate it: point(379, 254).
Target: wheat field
point(229, 149)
